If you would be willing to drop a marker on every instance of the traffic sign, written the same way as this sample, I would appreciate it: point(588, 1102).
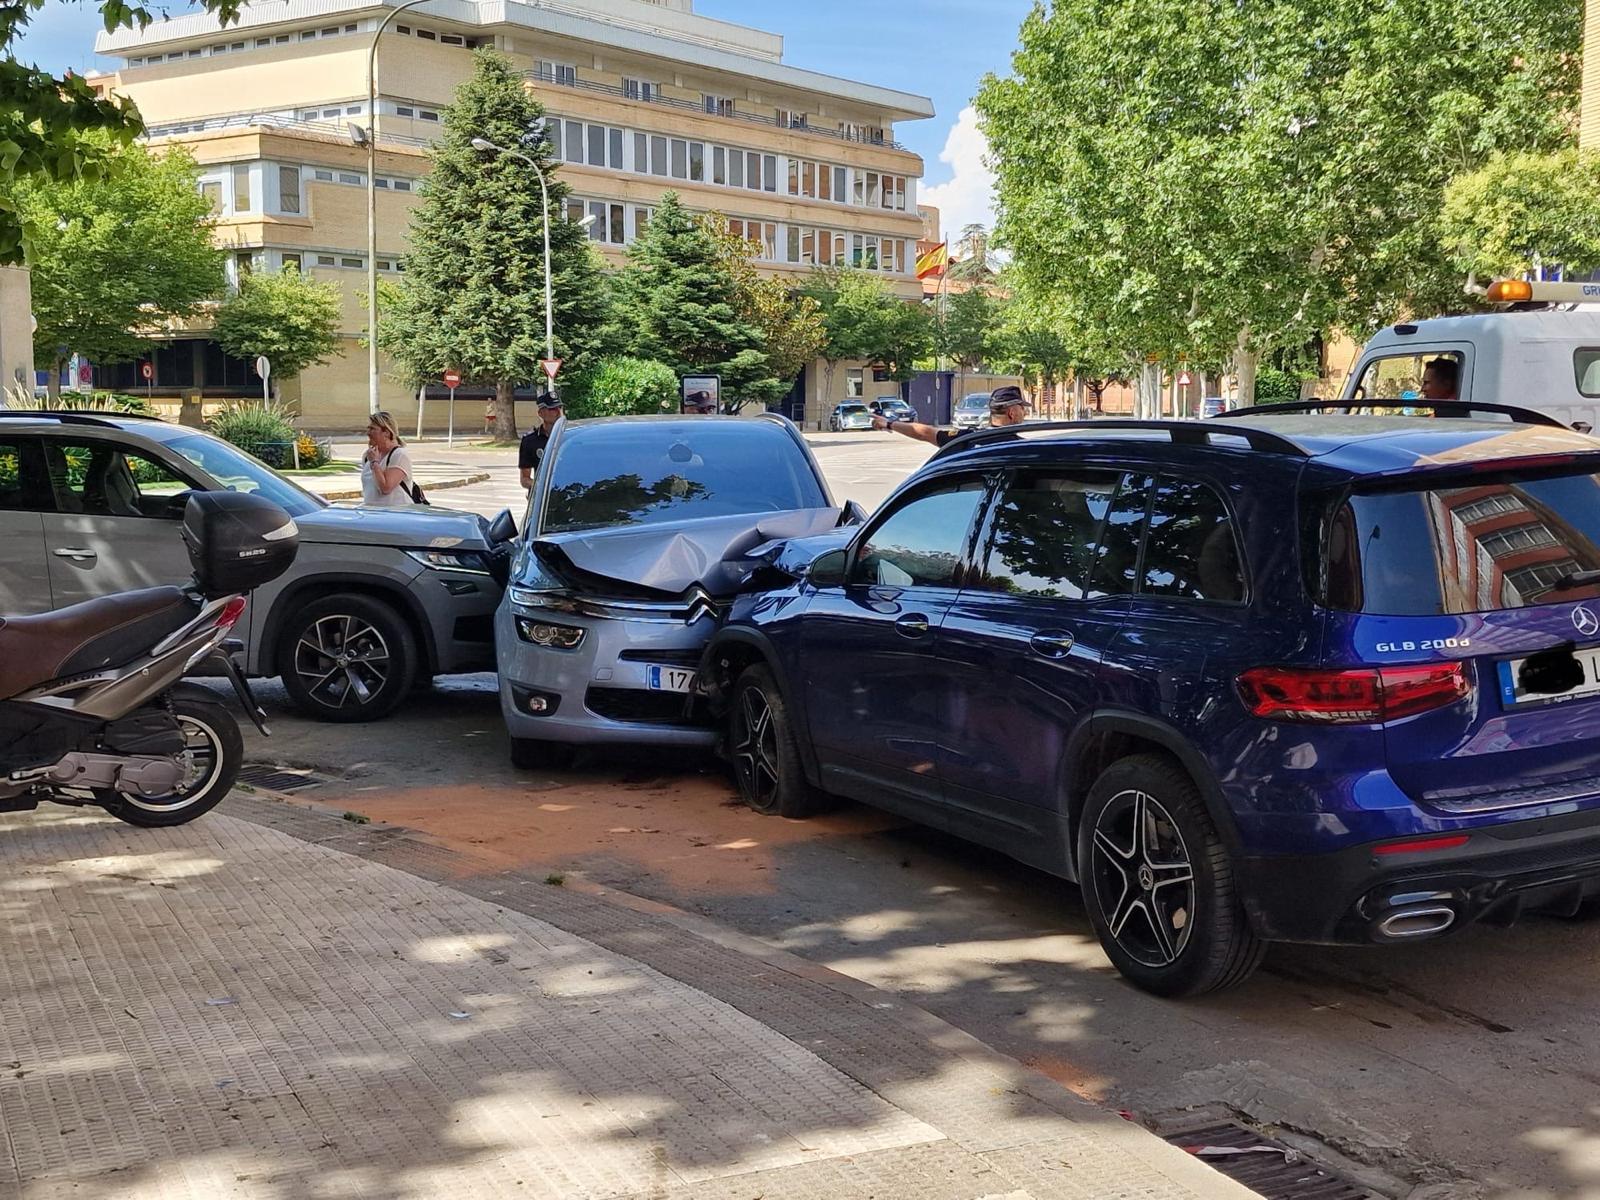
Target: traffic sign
point(147, 370)
point(263, 367)
point(452, 378)
point(1184, 380)
point(551, 366)
point(85, 374)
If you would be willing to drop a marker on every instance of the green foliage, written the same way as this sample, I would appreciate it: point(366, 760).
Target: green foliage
point(81, 402)
point(1197, 177)
point(620, 387)
point(968, 330)
point(1027, 343)
point(1276, 387)
point(115, 256)
point(291, 319)
point(861, 320)
point(1516, 206)
point(678, 302)
point(473, 297)
point(790, 324)
point(264, 430)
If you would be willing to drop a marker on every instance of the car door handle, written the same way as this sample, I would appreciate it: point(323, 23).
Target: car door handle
point(1052, 644)
point(912, 625)
point(76, 554)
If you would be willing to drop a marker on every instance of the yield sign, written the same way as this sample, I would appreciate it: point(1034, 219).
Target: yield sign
point(551, 366)
point(1184, 380)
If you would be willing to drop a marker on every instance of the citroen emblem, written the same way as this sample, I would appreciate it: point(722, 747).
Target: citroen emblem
point(1584, 620)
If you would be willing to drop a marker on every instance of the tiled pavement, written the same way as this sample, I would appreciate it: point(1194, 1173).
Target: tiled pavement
point(272, 1002)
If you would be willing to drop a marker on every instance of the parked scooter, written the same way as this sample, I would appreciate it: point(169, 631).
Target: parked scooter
point(93, 705)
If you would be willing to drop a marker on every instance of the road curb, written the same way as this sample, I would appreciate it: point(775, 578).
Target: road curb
point(858, 1038)
point(428, 486)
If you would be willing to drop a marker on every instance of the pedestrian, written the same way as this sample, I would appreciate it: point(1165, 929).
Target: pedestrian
point(386, 479)
point(531, 452)
point(1007, 406)
point(490, 415)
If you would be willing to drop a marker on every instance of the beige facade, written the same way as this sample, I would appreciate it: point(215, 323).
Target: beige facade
point(642, 96)
point(1589, 105)
point(16, 331)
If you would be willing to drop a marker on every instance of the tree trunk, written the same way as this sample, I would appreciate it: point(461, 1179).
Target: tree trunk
point(1147, 393)
point(1244, 366)
point(505, 411)
point(53, 385)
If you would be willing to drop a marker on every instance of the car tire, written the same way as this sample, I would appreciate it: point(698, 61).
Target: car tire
point(532, 754)
point(347, 658)
point(1158, 882)
point(764, 752)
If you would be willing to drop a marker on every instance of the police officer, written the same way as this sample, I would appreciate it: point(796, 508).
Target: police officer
point(531, 450)
point(1007, 406)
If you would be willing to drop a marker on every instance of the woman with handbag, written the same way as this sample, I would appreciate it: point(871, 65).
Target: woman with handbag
point(386, 466)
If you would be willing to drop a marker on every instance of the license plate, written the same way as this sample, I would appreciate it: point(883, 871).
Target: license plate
point(670, 679)
point(1583, 667)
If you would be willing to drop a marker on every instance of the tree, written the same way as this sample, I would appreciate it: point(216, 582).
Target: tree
point(473, 296)
point(967, 330)
point(1260, 172)
point(620, 387)
point(790, 323)
point(1525, 210)
point(680, 303)
point(862, 321)
point(292, 320)
point(53, 128)
point(117, 255)
point(1028, 344)
point(971, 262)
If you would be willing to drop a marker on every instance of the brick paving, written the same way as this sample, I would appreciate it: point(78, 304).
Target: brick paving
point(273, 1002)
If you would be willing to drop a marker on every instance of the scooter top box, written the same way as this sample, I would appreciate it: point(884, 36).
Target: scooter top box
point(237, 541)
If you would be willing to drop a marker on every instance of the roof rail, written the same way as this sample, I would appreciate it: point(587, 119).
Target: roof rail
point(1442, 408)
point(79, 416)
point(1181, 432)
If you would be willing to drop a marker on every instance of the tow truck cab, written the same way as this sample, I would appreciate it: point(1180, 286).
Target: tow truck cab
point(1545, 355)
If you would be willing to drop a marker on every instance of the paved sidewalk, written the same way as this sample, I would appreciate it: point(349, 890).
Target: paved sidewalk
point(433, 476)
point(273, 1002)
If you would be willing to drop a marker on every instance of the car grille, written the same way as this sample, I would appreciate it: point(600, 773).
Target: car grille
point(647, 708)
point(667, 658)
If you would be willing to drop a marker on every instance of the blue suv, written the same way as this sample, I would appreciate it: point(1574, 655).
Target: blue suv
point(1271, 677)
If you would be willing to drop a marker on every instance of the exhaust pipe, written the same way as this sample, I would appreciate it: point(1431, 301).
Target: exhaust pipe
point(1420, 922)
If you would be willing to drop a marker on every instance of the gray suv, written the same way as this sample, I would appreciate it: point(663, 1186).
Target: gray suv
point(377, 599)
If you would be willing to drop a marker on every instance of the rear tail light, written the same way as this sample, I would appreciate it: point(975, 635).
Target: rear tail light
point(1364, 696)
point(1427, 845)
point(231, 612)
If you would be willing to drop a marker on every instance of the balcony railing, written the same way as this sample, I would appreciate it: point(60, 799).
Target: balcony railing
point(658, 100)
point(337, 129)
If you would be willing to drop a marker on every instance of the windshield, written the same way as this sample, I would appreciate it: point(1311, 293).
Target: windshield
point(1507, 541)
point(852, 408)
point(238, 472)
point(649, 472)
point(968, 403)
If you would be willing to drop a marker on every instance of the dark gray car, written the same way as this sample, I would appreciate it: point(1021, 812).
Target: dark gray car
point(378, 598)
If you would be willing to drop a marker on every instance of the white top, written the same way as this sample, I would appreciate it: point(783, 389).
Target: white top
point(373, 495)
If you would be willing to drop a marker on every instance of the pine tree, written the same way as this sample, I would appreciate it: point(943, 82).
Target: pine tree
point(473, 293)
point(677, 303)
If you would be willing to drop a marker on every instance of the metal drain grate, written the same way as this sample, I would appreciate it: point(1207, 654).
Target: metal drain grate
point(1272, 1170)
point(276, 779)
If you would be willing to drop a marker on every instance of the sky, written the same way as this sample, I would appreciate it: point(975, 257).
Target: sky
point(934, 48)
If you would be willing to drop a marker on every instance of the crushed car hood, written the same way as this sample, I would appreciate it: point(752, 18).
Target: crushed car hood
point(712, 552)
point(423, 527)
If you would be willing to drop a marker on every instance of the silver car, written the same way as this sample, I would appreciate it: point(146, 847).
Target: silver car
point(849, 414)
point(377, 599)
point(639, 532)
point(972, 411)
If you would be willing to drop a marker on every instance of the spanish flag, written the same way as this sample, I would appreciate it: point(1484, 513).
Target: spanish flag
point(934, 261)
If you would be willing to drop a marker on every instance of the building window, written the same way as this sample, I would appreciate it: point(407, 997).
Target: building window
point(718, 106)
point(736, 168)
point(330, 112)
point(619, 223)
point(384, 264)
point(574, 142)
point(402, 185)
point(452, 39)
point(349, 28)
point(405, 29)
point(574, 211)
point(354, 110)
point(404, 110)
point(427, 35)
point(281, 39)
point(854, 383)
point(557, 72)
point(285, 261)
point(789, 118)
point(334, 32)
point(680, 159)
point(211, 189)
point(262, 43)
point(244, 262)
point(697, 161)
point(289, 189)
point(769, 173)
point(658, 155)
point(241, 188)
point(219, 49)
point(380, 181)
point(641, 222)
point(614, 143)
point(639, 89)
point(427, 114)
point(347, 177)
point(597, 145)
point(308, 35)
point(1503, 542)
point(356, 263)
point(326, 260)
point(322, 176)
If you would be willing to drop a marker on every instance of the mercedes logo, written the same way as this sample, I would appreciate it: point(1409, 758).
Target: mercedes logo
point(1584, 621)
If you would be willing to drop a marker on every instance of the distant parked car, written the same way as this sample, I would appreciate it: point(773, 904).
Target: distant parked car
point(972, 411)
point(894, 408)
point(851, 414)
point(1213, 406)
point(638, 536)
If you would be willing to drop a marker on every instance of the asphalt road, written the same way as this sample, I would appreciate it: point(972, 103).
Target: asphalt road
point(1463, 1068)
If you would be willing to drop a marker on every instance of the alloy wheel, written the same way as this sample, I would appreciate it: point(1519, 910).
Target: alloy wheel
point(755, 753)
point(201, 759)
point(342, 658)
point(1143, 878)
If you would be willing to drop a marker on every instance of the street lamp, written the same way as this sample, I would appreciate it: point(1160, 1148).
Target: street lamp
point(485, 145)
point(371, 140)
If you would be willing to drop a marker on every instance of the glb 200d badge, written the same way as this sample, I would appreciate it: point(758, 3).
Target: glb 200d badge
point(1425, 644)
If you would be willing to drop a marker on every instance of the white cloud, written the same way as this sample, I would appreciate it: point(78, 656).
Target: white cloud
point(968, 196)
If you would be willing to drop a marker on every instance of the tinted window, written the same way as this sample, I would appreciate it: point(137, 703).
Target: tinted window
point(923, 542)
point(22, 481)
point(647, 472)
point(1504, 542)
point(1116, 565)
point(1042, 531)
point(1190, 547)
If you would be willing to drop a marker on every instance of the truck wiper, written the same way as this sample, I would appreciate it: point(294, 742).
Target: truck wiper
point(1575, 579)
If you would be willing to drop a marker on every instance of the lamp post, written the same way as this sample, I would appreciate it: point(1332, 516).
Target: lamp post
point(372, 202)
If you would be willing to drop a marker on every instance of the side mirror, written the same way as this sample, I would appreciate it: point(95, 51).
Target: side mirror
point(852, 514)
point(503, 528)
point(177, 504)
point(827, 570)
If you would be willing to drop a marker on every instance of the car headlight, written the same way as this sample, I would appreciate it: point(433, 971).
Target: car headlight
point(473, 561)
point(547, 633)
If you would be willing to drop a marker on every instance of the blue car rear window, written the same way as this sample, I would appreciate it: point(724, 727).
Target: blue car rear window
point(1500, 543)
point(649, 472)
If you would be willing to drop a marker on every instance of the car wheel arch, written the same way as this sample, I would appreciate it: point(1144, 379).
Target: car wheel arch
point(1109, 737)
point(729, 654)
point(316, 587)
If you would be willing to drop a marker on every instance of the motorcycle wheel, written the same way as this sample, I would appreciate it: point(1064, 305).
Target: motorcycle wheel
point(213, 754)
